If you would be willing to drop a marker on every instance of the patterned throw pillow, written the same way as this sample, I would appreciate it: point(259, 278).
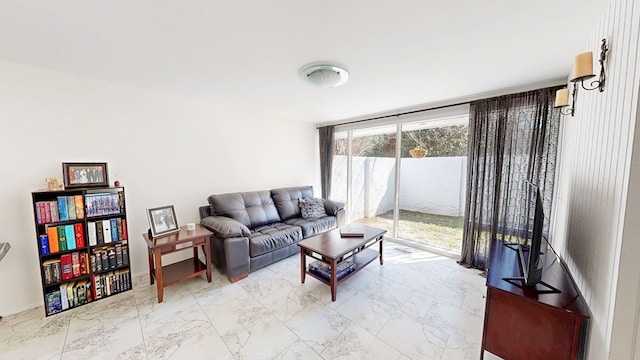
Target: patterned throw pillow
point(312, 208)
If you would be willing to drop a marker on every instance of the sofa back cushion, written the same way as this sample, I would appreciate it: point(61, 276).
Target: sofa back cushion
point(286, 200)
point(252, 208)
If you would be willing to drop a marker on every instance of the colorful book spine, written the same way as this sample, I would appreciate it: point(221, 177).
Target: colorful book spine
point(64, 297)
point(62, 208)
point(70, 236)
point(44, 244)
point(75, 264)
point(84, 264)
point(119, 261)
point(125, 255)
point(71, 207)
point(121, 200)
point(99, 234)
point(54, 303)
point(47, 212)
point(47, 269)
point(62, 239)
point(79, 206)
point(119, 225)
point(53, 207)
point(124, 229)
point(66, 263)
point(114, 229)
point(38, 213)
point(52, 233)
point(89, 204)
point(92, 235)
point(79, 235)
point(106, 231)
point(56, 270)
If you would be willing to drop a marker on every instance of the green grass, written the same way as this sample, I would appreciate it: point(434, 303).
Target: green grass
point(436, 230)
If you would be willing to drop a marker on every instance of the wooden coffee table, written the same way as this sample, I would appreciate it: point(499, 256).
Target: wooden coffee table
point(331, 248)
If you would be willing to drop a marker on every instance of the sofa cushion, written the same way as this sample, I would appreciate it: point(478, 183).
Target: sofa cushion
point(314, 226)
point(264, 239)
point(311, 208)
point(286, 200)
point(252, 208)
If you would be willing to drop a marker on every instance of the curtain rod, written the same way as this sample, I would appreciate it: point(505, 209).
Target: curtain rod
point(402, 113)
point(467, 100)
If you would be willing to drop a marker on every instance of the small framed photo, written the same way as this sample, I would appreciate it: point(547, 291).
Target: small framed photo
point(162, 220)
point(76, 175)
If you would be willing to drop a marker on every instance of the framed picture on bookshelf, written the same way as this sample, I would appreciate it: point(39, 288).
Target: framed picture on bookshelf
point(162, 220)
point(77, 175)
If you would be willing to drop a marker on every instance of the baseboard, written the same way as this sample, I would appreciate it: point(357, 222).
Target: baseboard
point(18, 310)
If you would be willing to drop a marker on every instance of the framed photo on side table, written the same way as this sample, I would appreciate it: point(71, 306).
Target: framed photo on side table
point(162, 220)
point(76, 175)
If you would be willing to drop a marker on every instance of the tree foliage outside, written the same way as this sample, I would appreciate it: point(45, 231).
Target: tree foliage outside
point(440, 142)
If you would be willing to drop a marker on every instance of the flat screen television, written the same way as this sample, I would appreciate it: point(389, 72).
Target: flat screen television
point(530, 231)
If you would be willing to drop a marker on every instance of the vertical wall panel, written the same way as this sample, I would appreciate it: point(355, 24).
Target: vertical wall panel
point(590, 231)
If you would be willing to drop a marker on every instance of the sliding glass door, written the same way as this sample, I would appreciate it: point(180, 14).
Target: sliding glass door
point(432, 183)
point(414, 188)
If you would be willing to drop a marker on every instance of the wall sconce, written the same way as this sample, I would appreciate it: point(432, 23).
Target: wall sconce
point(582, 70)
point(562, 100)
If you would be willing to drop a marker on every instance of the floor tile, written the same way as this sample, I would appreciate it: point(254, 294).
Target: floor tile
point(416, 306)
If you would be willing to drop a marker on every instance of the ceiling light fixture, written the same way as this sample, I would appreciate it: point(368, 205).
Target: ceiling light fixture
point(324, 75)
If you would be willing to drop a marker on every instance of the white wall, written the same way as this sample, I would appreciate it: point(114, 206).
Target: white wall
point(433, 185)
point(163, 149)
point(597, 200)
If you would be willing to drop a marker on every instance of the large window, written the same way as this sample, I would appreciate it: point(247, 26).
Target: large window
point(416, 199)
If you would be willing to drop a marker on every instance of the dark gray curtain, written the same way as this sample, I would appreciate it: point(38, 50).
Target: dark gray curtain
point(327, 142)
point(512, 138)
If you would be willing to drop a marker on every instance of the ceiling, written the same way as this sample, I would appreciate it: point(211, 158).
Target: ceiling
point(247, 54)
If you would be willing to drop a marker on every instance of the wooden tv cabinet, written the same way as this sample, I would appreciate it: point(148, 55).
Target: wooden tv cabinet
point(527, 323)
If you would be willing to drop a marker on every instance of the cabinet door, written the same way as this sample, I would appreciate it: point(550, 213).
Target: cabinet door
point(518, 328)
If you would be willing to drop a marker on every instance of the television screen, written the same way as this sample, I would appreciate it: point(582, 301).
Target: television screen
point(531, 227)
point(530, 232)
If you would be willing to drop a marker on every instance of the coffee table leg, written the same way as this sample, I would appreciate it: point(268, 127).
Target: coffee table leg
point(381, 261)
point(334, 282)
point(303, 265)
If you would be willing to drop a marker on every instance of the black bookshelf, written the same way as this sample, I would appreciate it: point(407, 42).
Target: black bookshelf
point(83, 246)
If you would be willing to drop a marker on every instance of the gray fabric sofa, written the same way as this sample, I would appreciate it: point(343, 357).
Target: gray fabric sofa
point(257, 228)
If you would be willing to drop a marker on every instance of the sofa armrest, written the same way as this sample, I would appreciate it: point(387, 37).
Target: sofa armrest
point(236, 252)
point(225, 227)
point(335, 208)
point(332, 207)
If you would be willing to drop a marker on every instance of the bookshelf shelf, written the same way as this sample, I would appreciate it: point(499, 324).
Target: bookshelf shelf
point(83, 247)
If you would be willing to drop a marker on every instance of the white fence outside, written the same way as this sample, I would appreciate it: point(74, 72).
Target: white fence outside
point(434, 185)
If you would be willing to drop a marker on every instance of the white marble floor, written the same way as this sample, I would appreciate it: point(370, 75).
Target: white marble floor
point(416, 306)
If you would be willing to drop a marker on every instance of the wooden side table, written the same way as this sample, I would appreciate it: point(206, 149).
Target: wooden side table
point(186, 269)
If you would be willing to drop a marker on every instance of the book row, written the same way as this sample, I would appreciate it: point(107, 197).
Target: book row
point(104, 204)
point(69, 295)
point(109, 258)
point(72, 207)
point(111, 283)
point(62, 238)
point(106, 231)
point(75, 293)
point(67, 267)
point(324, 270)
point(65, 208)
